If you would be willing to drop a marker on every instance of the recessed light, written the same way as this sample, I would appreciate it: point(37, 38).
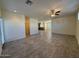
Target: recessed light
point(14, 10)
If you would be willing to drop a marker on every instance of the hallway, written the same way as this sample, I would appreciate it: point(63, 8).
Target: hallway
point(43, 45)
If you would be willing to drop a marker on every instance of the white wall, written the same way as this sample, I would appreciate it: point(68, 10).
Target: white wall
point(64, 25)
point(14, 26)
point(48, 25)
point(33, 26)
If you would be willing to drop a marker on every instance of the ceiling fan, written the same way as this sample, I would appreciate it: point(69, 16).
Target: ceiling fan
point(55, 12)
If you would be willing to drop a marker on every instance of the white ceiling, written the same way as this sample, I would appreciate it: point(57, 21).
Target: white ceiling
point(40, 7)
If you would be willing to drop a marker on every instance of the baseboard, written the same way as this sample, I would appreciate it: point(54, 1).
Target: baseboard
point(62, 34)
point(13, 39)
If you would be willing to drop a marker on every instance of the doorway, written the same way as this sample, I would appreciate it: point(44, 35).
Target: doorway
point(41, 26)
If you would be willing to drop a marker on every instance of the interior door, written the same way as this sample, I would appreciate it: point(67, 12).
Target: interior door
point(27, 25)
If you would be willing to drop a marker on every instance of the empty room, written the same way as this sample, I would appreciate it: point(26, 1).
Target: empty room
point(39, 28)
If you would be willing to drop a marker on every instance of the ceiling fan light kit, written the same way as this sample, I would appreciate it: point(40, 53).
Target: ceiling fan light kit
point(52, 15)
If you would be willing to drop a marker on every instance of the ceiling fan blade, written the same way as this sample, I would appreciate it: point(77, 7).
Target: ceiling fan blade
point(58, 11)
point(57, 14)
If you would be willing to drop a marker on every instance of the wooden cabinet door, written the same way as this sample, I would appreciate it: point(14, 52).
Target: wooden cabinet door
point(27, 25)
